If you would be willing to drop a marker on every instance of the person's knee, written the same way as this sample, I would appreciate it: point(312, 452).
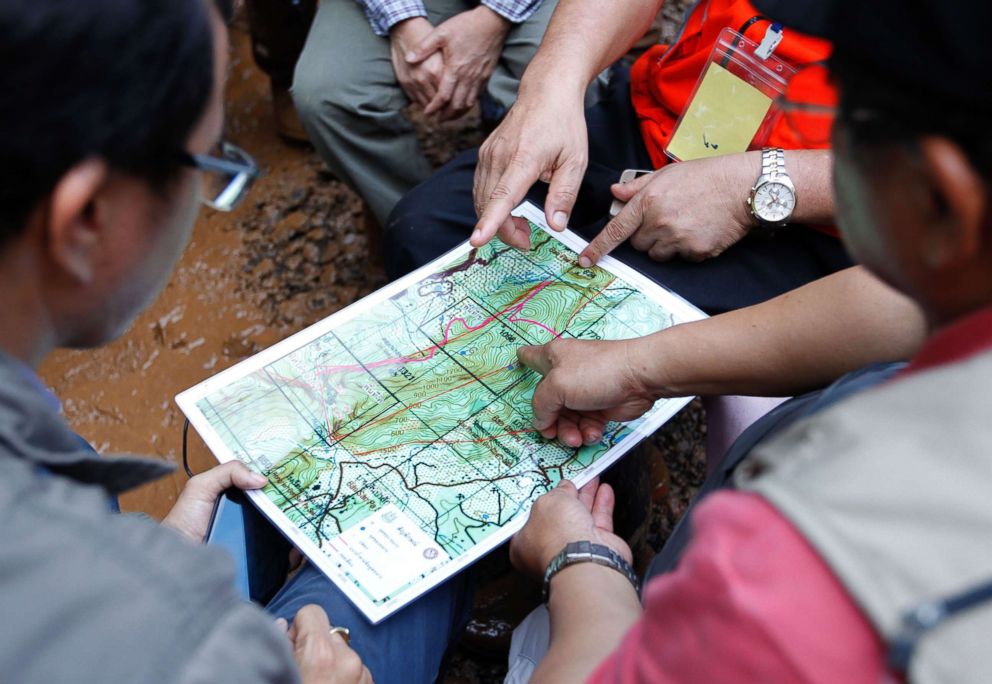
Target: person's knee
point(328, 86)
point(314, 88)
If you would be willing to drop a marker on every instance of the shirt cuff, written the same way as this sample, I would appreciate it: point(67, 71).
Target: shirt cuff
point(384, 20)
point(514, 12)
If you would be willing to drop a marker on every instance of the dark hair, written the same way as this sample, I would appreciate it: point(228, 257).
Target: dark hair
point(879, 109)
point(122, 80)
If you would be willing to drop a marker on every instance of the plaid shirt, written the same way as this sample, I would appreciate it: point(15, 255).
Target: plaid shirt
point(383, 14)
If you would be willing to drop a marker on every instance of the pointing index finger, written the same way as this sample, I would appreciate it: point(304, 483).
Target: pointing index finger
point(506, 194)
point(613, 234)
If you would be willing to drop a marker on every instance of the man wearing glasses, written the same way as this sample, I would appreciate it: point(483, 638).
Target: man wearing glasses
point(108, 160)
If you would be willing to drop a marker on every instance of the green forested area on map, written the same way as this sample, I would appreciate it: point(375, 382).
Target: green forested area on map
point(420, 401)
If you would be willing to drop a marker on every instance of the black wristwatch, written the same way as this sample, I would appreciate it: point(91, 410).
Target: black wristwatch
point(587, 552)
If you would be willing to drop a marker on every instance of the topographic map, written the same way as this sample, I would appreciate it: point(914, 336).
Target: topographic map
point(396, 434)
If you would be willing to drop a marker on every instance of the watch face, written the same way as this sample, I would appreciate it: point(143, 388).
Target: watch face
point(774, 202)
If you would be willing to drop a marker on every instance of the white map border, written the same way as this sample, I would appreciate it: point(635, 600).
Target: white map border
point(681, 310)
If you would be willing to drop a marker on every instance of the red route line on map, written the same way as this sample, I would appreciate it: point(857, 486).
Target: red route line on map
point(516, 306)
point(431, 351)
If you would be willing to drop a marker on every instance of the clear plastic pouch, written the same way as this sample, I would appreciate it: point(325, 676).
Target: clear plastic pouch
point(732, 107)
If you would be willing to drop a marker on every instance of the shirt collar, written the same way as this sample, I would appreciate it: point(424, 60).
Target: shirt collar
point(32, 430)
point(955, 342)
point(32, 378)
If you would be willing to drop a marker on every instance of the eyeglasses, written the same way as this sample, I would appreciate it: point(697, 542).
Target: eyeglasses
point(809, 105)
point(228, 172)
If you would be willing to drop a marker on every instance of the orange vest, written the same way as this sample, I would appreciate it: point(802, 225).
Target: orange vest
point(663, 78)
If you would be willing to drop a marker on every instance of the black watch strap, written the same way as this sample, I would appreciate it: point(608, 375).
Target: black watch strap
point(588, 552)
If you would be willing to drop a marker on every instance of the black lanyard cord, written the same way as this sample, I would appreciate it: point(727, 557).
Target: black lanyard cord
point(926, 617)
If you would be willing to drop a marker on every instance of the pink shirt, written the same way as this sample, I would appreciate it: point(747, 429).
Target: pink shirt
point(750, 601)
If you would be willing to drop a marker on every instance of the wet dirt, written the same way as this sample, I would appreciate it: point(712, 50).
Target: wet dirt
point(296, 251)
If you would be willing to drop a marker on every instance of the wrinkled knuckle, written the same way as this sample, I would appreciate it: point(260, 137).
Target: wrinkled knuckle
point(519, 159)
point(500, 191)
point(496, 142)
point(577, 160)
point(615, 231)
point(566, 193)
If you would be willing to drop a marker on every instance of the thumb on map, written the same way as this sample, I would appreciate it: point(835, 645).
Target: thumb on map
point(535, 357)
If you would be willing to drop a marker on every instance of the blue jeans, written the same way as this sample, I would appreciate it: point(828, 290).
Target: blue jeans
point(409, 646)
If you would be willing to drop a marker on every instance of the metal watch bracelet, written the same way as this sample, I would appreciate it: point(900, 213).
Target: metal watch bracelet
point(588, 552)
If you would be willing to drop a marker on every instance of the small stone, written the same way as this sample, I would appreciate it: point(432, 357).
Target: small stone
point(293, 223)
point(311, 253)
point(264, 268)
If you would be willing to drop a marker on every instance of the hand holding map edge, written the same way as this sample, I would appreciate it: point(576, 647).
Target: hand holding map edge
point(191, 513)
point(566, 514)
point(586, 385)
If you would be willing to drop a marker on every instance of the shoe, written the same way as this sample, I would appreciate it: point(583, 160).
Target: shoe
point(287, 121)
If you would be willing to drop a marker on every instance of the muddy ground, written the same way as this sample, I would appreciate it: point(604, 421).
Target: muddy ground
point(296, 251)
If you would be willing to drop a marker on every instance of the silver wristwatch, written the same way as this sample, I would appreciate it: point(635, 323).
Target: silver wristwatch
point(773, 198)
point(587, 552)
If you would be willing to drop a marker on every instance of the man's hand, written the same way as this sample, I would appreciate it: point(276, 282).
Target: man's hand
point(191, 514)
point(564, 515)
point(585, 386)
point(471, 43)
point(323, 658)
point(419, 81)
point(543, 137)
point(693, 209)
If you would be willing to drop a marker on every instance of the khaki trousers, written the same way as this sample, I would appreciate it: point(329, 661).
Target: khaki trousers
point(351, 104)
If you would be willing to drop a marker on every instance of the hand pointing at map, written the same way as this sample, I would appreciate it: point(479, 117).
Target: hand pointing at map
point(585, 386)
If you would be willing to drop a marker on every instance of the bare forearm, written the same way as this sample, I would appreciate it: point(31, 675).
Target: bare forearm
point(583, 38)
point(798, 341)
point(811, 173)
point(592, 607)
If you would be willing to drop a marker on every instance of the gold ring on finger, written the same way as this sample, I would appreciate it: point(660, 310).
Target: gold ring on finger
point(344, 632)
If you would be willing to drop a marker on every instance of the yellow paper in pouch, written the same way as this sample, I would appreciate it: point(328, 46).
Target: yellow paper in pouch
point(722, 118)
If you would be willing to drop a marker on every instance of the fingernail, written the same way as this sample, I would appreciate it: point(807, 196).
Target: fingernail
point(537, 424)
point(584, 261)
point(410, 56)
point(475, 234)
point(258, 479)
point(560, 219)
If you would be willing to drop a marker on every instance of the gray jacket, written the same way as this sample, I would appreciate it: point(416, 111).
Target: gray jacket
point(92, 596)
point(892, 488)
